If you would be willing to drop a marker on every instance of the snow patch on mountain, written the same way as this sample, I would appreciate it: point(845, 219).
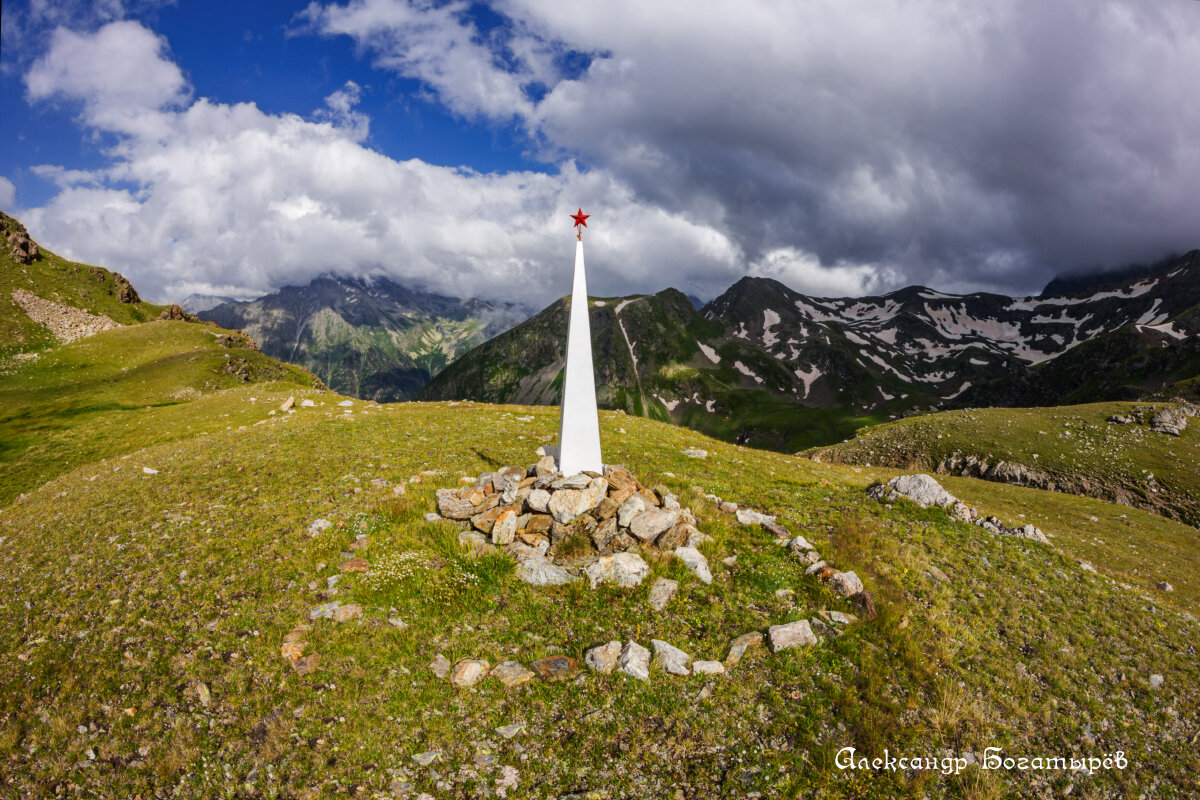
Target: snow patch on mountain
point(709, 353)
point(742, 368)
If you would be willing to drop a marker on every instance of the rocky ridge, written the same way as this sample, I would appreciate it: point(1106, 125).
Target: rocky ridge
point(925, 491)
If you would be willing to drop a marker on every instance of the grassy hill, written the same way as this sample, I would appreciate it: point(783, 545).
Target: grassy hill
point(155, 552)
point(1074, 448)
point(142, 616)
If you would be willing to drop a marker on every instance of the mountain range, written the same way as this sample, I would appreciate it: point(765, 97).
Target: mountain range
point(371, 338)
point(768, 366)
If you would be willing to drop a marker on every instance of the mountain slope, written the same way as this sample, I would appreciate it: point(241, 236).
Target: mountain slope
point(369, 338)
point(765, 365)
point(119, 382)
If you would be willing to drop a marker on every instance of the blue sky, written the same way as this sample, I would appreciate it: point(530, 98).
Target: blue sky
point(234, 148)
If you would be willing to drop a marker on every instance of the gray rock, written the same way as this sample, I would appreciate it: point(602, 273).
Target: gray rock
point(748, 516)
point(469, 672)
point(451, 506)
point(661, 593)
point(1170, 421)
point(603, 658)
point(427, 758)
point(696, 538)
point(708, 667)
point(634, 661)
point(318, 525)
point(937, 575)
point(842, 618)
point(538, 500)
point(623, 569)
point(632, 506)
point(325, 611)
point(579, 480)
point(505, 527)
point(800, 545)
point(670, 502)
point(398, 623)
point(694, 560)
point(814, 567)
point(509, 731)
point(1028, 531)
point(475, 541)
point(440, 665)
point(647, 525)
point(545, 466)
point(567, 504)
point(670, 658)
point(695, 453)
point(921, 489)
point(728, 507)
point(540, 572)
point(512, 673)
point(793, 634)
point(1163, 586)
point(1156, 681)
point(739, 646)
point(432, 516)
point(847, 583)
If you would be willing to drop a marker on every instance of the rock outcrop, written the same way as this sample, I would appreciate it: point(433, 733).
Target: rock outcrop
point(925, 491)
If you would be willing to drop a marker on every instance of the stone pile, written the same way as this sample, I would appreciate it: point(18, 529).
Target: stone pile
point(925, 491)
point(564, 527)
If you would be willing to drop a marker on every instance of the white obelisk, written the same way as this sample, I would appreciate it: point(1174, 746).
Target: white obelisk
point(579, 429)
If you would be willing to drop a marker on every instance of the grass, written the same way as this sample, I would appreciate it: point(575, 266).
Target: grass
point(1072, 444)
point(142, 612)
point(140, 587)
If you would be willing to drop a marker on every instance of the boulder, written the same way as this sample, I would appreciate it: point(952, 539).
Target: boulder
point(623, 569)
point(647, 525)
point(512, 673)
point(739, 646)
point(847, 583)
point(555, 668)
point(661, 592)
point(694, 560)
point(567, 504)
point(748, 516)
point(1028, 531)
point(793, 634)
point(604, 534)
point(634, 661)
point(505, 527)
point(540, 572)
point(670, 658)
point(440, 666)
point(708, 667)
point(1170, 421)
point(630, 508)
point(800, 545)
point(675, 536)
point(921, 489)
point(451, 506)
point(603, 658)
point(469, 672)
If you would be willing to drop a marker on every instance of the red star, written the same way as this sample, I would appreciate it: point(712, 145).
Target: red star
point(580, 218)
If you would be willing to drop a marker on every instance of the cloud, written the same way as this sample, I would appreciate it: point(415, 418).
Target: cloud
point(120, 74)
point(203, 196)
point(973, 143)
point(8, 193)
point(960, 145)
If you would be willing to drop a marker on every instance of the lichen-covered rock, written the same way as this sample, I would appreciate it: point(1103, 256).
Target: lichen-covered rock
point(694, 560)
point(647, 525)
point(634, 661)
point(739, 646)
point(567, 504)
point(603, 658)
point(793, 634)
point(623, 569)
point(512, 673)
point(670, 658)
point(469, 672)
point(846, 583)
point(540, 572)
